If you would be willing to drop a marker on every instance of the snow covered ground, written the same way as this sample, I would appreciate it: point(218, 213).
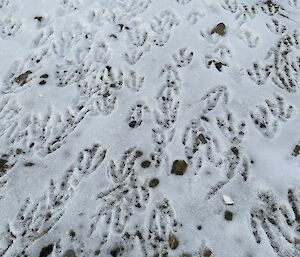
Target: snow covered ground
point(149, 128)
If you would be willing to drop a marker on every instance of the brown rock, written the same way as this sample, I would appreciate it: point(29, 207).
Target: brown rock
point(228, 215)
point(153, 182)
point(132, 124)
point(207, 253)
point(47, 250)
point(22, 78)
point(3, 165)
point(219, 29)
point(145, 164)
point(179, 167)
point(173, 242)
point(69, 253)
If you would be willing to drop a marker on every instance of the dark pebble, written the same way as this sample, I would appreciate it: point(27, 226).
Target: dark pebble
point(145, 164)
point(153, 182)
point(228, 215)
point(179, 167)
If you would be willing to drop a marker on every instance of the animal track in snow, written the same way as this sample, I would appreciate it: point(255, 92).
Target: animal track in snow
point(267, 124)
point(200, 145)
point(213, 97)
point(168, 103)
point(162, 228)
point(264, 122)
point(4, 3)
point(234, 131)
point(37, 218)
point(276, 27)
point(143, 65)
point(242, 11)
point(277, 223)
point(162, 27)
point(137, 113)
point(249, 37)
point(259, 74)
point(194, 16)
point(9, 27)
point(294, 3)
point(126, 195)
point(43, 134)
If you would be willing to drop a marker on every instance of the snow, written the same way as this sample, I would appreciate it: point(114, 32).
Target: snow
point(98, 98)
point(227, 199)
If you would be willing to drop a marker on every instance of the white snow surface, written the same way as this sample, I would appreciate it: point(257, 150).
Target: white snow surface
point(99, 98)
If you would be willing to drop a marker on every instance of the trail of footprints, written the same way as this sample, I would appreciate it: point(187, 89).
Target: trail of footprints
point(277, 223)
point(36, 218)
point(125, 220)
point(168, 102)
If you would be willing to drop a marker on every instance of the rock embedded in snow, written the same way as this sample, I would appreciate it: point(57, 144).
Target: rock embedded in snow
point(145, 164)
point(46, 251)
point(219, 29)
point(153, 182)
point(179, 167)
point(228, 215)
point(173, 242)
point(207, 253)
point(227, 199)
point(22, 78)
point(69, 253)
point(3, 165)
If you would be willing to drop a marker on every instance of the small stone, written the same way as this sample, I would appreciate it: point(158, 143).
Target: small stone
point(42, 82)
point(3, 165)
point(228, 215)
point(22, 78)
point(219, 29)
point(145, 164)
point(115, 252)
point(47, 250)
point(44, 76)
point(153, 182)
point(207, 253)
point(19, 151)
point(199, 227)
point(173, 242)
point(38, 18)
point(218, 66)
point(132, 124)
point(69, 253)
point(296, 150)
point(28, 164)
point(179, 167)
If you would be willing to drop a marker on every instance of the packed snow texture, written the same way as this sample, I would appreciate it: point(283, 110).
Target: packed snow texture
point(149, 128)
